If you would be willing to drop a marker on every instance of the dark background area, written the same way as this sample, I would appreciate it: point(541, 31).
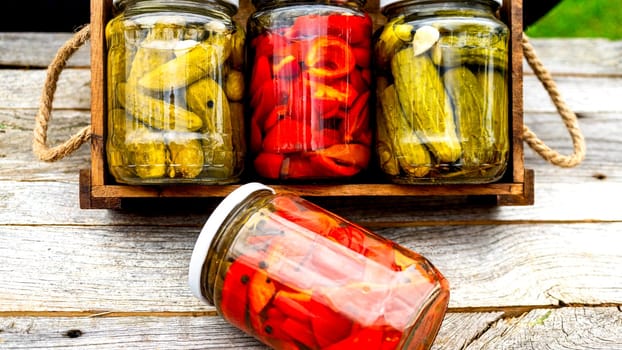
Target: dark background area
point(69, 15)
point(44, 15)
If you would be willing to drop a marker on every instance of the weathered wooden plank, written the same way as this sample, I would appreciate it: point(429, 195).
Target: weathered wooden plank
point(459, 329)
point(55, 202)
point(21, 89)
point(563, 329)
point(178, 332)
point(37, 50)
point(578, 56)
point(144, 268)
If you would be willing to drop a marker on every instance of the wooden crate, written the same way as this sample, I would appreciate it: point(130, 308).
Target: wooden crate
point(99, 191)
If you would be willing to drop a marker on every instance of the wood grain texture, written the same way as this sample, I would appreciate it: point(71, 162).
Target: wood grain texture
point(144, 268)
point(37, 50)
point(207, 332)
point(562, 329)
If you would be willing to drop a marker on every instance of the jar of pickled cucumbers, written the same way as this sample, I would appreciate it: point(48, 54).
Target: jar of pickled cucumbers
point(442, 91)
point(296, 276)
point(309, 89)
point(175, 89)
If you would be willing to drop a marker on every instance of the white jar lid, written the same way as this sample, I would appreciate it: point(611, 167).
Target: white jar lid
point(213, 223)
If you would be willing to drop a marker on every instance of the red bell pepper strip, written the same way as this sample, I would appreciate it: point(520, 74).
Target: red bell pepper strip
point(356, 30)
point(367, 76)
point(308, 26)
point(294, 305)
point(260, 74)
point(234, 302)
point(329, 57)
point(356, 80)
point(362, 56)
point(260, 291)
point(328, 326)
point(286, 136)
point(328, 167)
point(256, 136)
point(357, 118)
point(279, 112)
point(352, 154)
point(263, 101)
point(300, 332)
point(365, 338)
point(324, 138)
point(268, 165)
point(270, 44)
point(272, 326)
point(286, 67)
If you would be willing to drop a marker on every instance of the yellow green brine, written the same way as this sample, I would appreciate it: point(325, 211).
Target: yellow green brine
point(442, 88)
point(175, 109)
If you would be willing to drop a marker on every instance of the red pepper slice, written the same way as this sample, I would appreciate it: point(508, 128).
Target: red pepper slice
point(260, 74)
point(272, 326)
point(352, 154)
point(293, 304)
point(263, 101)
point(357, 118)
point(286, 67)
point(324, 138)
point(260, 291)
point(235, 293)
point(270, 44)
point(278, 113)
point(362, 56)
point(329, 57)
point(330, 168)
point(354, 29)
point(299, 331)
point(268, 165)
point(286, 136)
point(328, 326)
point(365, 338)
point(308, 26)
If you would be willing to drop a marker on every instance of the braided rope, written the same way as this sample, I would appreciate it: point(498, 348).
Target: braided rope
point(42, 118)
point(569, 117)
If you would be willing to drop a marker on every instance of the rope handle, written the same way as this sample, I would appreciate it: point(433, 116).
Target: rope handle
point(568, 116)
point(42, 118)
point(52, 154)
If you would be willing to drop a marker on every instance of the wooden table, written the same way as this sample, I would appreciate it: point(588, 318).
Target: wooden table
point(539, 277)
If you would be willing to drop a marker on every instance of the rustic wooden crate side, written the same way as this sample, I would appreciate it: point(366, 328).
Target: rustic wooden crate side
point(98, 190)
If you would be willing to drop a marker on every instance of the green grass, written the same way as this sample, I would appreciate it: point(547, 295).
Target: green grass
point(581, 18)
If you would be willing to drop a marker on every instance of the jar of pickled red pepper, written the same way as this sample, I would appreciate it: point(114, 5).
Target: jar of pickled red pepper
point(309, 89)
point(442, 91)
point(175, 89)
point(296, 276)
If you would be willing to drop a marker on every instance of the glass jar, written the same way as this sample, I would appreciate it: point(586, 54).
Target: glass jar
point(309, 89)
point(175, 88)
point(442, 91)
point(296, 276)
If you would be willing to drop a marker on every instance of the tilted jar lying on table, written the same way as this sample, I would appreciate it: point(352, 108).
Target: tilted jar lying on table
point(310, 88)
point(296, 276)
point(175, 92)
point(442, 91)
